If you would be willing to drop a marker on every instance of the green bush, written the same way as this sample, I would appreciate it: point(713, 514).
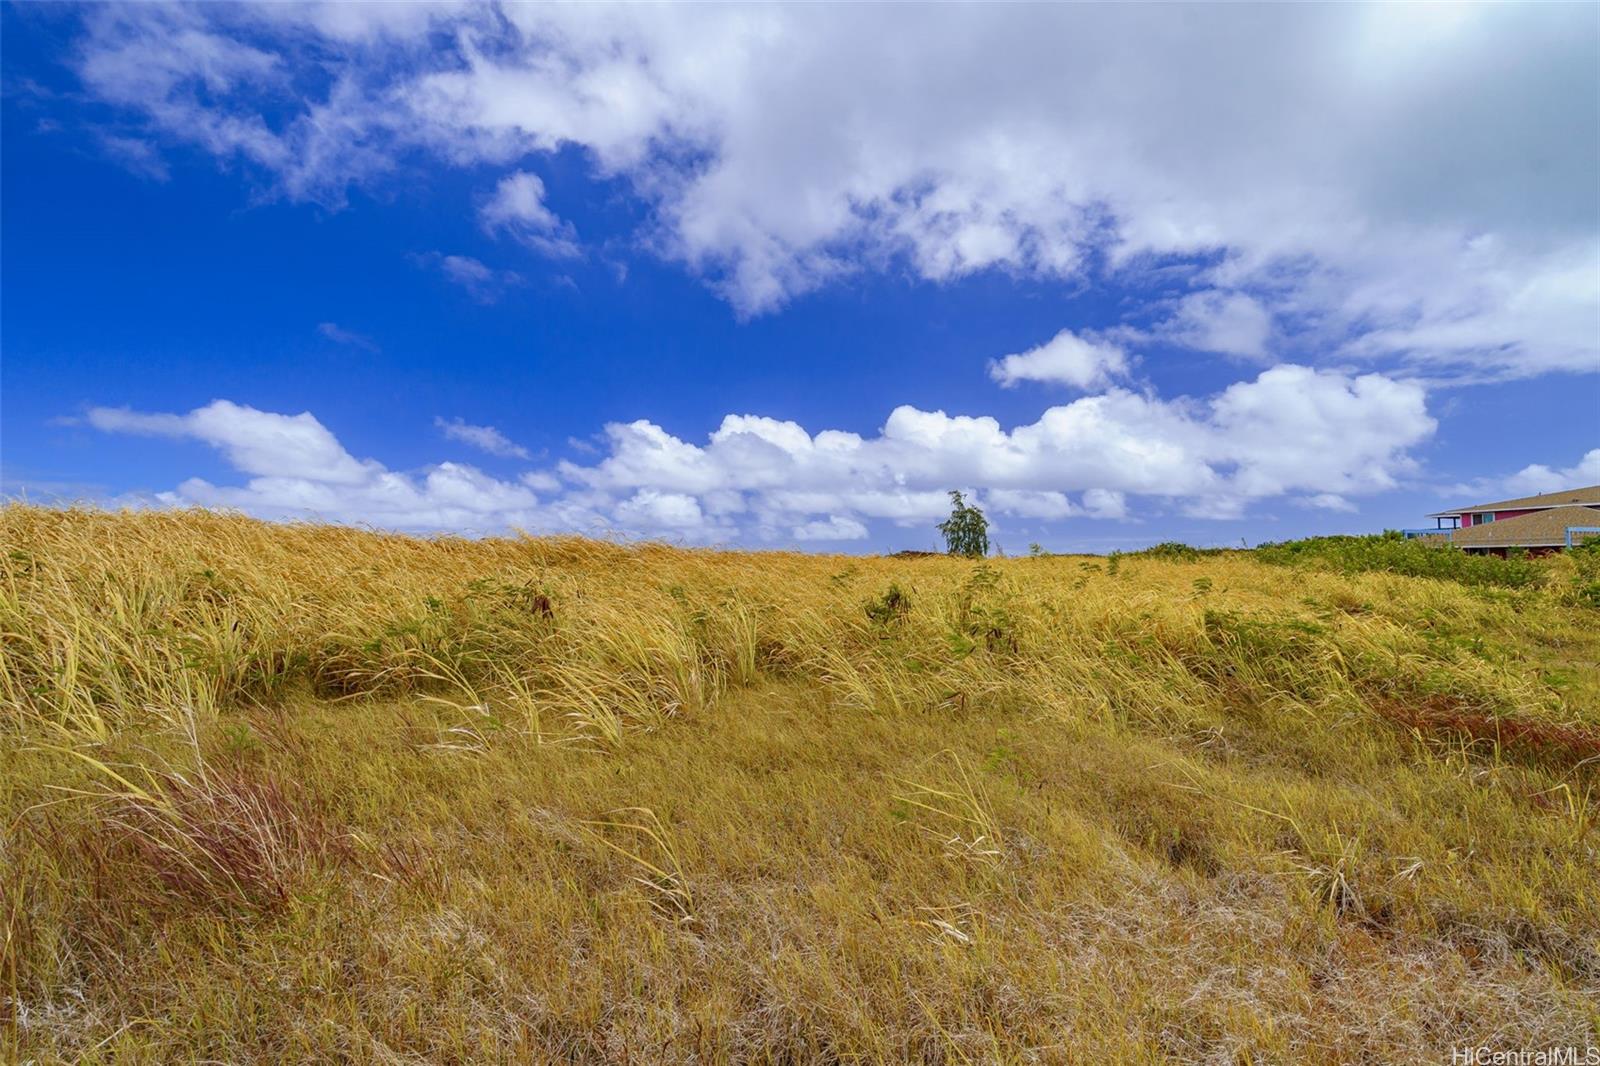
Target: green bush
point(1175, 551)
point(1585, 556)
point(892, 606)
point(1393, 553)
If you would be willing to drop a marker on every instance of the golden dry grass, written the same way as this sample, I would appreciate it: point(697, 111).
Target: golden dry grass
point(304, 793)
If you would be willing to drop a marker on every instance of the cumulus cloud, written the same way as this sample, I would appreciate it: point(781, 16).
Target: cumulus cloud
point(1231, 323)
point(1292, 429)
point(1532, 480)
point(518, 207)
point(1105, 503)
point(254, 442)
point(484, 438)
point(1065, 359)
point(834, 527)
point(298, 469)
point(1292, 432)
point(1404, 183)
point(1032, 504)
point(1328, 501)
point(541, 481)
point(653, 509)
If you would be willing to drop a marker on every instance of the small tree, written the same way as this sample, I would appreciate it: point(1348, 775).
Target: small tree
point(966, 531)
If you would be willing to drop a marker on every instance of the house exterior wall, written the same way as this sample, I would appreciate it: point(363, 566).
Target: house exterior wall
point(1548, 530)
point(1499, 516)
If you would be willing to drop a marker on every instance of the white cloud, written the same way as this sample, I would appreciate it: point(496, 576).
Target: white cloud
point(339, 335)
point(166, 57)
point(834, 527)
point(1328, 501)
point(298, 469)
point(518, 207)
point(138, 156)
point(1292, 429)
point(254, 442)
point(1295, 429)
point(1532, 480)
point(540, 481)
point(1104, 503)
point(482, 282)
point(1031, 504)
point(464, 269)
point(519, 199)
point(1065, 359)
point(484, 438)
point(1391, 182)
point(1232, 323)
point(1292, 432)
point(654, 510)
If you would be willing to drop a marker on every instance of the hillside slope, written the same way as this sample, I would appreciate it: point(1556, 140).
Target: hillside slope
point(300, 793)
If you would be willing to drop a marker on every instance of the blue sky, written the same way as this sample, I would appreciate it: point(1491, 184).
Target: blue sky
point(782, 276)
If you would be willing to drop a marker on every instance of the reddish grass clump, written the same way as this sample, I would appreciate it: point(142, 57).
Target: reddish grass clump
point(220, 838)
point(1434, 714)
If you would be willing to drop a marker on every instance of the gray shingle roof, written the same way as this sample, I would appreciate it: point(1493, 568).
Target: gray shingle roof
point(1588, 495)
point(1536, 530)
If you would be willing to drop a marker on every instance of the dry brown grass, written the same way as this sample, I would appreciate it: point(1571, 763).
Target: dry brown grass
point(305, 793)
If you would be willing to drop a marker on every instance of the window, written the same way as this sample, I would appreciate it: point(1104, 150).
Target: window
point(1480, 519)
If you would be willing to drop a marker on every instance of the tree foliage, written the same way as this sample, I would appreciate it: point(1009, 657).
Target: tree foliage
point(966, 531)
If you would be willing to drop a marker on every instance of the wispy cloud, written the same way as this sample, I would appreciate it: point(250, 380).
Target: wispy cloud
point(481, 281)
point(339, 335)
point(518, 207)
point(484, 438)
point(137, 155)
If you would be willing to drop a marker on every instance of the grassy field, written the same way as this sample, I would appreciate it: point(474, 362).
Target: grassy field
point(301, 793)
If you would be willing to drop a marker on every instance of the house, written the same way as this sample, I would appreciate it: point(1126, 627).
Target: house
point(1538, 524)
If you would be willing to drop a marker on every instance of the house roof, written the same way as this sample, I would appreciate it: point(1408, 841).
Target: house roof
point(1588, 496)
point(1536, 530)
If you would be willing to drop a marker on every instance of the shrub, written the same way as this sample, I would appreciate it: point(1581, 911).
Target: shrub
point(1176, 551)
point(981, 614)
point(1392, 553)
point(892, 606)
point(1585, 562)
